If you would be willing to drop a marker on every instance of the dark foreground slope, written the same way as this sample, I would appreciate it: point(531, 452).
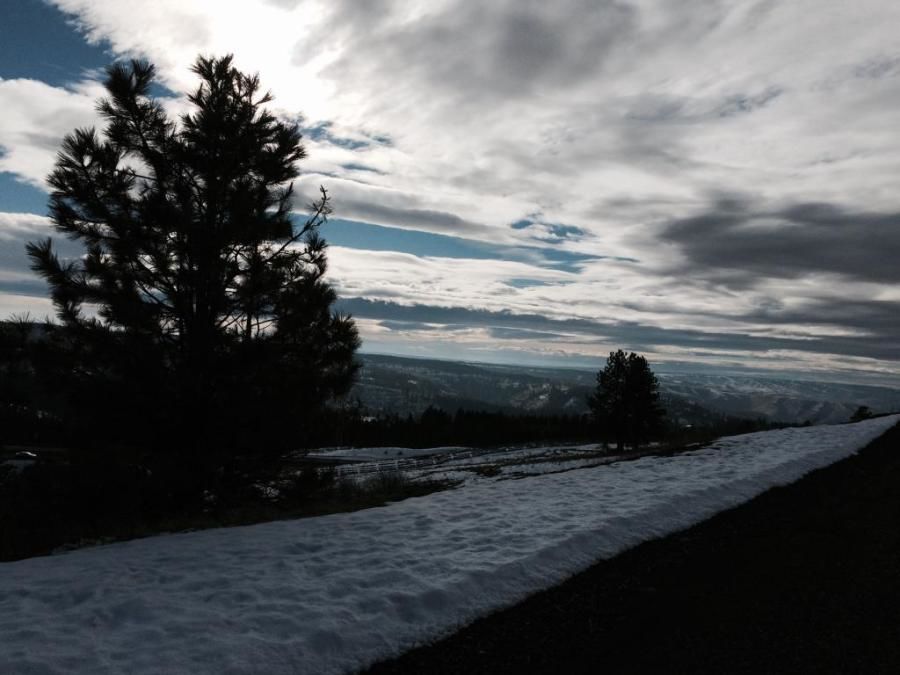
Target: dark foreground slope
point(803, 579)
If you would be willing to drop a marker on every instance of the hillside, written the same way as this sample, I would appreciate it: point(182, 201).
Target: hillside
point(391, 384)
point(779, 399)
point(334, 593)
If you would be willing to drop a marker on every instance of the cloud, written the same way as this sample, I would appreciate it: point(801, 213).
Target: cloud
point(35, 118)
point(521, 107)
point(745, 162)
point(428, 220)
point(550, 233)
point(12, 304)
point(15, 226)
point(16, 277)
point(738, 245)
point(504, 52)
point(589, 311)
point(574, 338)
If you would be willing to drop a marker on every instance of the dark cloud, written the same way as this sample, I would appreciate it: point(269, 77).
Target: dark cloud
point(425, 219)
point(535, 46)
point(36, 288)
point(353, 166)
point(747, 103)
point(737, 245)
point(629, 335)
point(878, 68)
point(667, 109)
point(880, 319)
point(16, 276)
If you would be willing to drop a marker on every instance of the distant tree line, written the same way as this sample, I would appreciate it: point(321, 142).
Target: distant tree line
point(79, 489)
point(33, 411)
point(435, 427)
point(30, 405)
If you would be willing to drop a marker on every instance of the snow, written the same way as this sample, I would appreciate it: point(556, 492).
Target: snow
point(336, 593)
point(461, 464)
point(503, 465)
point(373, 454)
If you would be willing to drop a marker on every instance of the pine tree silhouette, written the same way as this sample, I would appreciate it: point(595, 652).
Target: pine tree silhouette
point(198, 318)
point(626, 401)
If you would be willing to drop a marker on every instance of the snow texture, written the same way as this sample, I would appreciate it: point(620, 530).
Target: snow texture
point(374, 454)
point(336, 593)
point(464, 465)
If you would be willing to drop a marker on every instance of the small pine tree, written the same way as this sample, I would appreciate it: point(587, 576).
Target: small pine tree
point(198, 318)
point(625, 404)
point(863, 412)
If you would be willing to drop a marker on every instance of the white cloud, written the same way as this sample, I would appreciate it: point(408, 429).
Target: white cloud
point(25, 305)
point(15, 226)
point(35, 118)
point(517, 107)
point(615, 116)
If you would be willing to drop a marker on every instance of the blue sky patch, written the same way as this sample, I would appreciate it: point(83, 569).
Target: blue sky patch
point(38, 42)
point(550, 233)
point(354, 234)
point(366, 236)
point(322, 132)
point(529, 283)
point(19, 197)
point(565, 231)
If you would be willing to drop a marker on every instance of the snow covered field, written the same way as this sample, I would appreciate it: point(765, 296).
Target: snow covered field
point(462, 465)
point(335, 593)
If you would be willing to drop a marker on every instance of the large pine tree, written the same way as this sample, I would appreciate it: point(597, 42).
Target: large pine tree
point(198, 317)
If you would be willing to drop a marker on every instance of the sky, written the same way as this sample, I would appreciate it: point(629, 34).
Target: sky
point(709, 182)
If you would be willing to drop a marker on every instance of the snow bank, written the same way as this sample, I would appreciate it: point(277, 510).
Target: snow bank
point(330, 594)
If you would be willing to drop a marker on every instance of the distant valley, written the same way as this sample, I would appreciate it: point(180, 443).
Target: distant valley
point(390, 384)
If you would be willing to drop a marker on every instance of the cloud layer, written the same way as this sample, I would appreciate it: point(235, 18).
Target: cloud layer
point(708, 168)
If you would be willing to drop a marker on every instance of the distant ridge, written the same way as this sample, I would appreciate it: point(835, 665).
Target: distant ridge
point(407, 385)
